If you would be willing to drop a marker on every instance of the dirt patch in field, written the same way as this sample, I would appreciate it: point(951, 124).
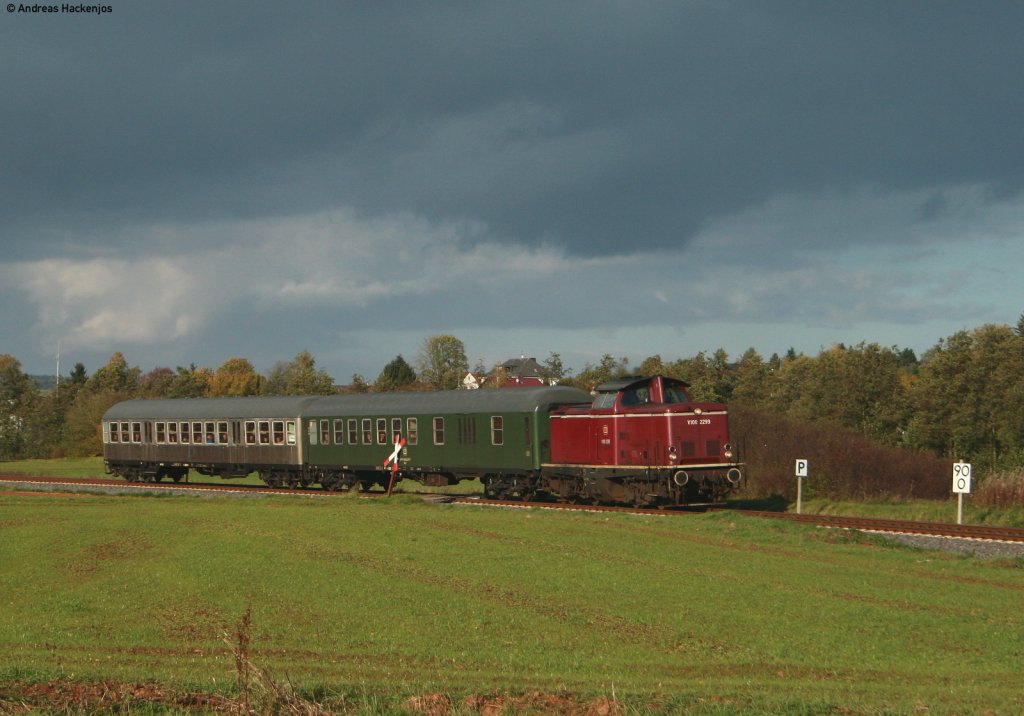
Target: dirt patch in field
point(115, 697)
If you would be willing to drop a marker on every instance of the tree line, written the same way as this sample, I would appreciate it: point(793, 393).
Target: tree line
point(963, 399)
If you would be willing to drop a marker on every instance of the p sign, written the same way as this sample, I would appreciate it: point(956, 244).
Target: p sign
point(962, 478)
point(801, 468)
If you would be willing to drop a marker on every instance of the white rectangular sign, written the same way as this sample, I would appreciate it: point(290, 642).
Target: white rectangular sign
point(962, 478)
point(801, 468)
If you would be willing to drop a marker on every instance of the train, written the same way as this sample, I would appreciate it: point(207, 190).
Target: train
point(637, 441)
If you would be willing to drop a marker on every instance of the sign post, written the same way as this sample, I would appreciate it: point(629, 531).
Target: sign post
point(961, 486)
point(801, 473)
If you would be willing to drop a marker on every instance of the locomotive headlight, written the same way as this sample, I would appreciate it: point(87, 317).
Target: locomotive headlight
point(697, 411)
point(727, 452)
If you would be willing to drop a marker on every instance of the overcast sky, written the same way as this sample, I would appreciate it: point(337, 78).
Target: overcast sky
point(185, 182)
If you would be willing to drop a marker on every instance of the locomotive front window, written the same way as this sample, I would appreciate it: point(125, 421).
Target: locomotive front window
point(339, 431)
point(676, 394)
point(367, 431)
point(439, 431)
point(497, 430)
point(382, 431)
point(412, 430)
point(604, 400)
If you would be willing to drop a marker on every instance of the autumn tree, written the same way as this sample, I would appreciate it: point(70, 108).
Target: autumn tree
point(18, 398)
point(236, 377)
point(299, 377)
point(442, 362)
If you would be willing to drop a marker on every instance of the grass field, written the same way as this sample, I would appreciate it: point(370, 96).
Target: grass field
point(373, 605)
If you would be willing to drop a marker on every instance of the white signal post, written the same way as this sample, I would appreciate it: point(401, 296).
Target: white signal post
point(801, 473)
point(961, 486)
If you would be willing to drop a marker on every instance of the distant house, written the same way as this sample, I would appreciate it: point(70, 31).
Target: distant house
point(523, 372)
point(472, 382)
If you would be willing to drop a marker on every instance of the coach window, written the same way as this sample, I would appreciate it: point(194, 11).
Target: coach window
point(290, 428)
point(497, 430)
point(353, 431)
point(136, 432)
point(222, 433)
point(367, 431)
point(325, 432)
point(197, 433)
point(125, 433)
point(184, 432)
point(382, 431)
point(161, 433)
point(411, 431)
point(279, 432)
point(339, 431)
point(439, 431)
point(110, 432)
point(250, 432)
point(264, 432)
point(211, 434)
point(172, 433)
point(396, 429)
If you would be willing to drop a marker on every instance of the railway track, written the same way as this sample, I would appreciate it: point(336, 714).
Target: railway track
point(971, 532)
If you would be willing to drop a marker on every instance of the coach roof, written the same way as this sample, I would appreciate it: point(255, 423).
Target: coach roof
point(493, 400)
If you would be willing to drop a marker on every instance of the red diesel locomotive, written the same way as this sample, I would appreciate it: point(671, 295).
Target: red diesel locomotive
point(642, 441)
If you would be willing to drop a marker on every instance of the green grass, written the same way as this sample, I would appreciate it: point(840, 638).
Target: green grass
point(381, 600)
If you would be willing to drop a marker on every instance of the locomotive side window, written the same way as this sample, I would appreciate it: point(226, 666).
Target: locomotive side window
point(367, 431)
point(250, 432)
point(382, 431)
point(497, 430)
point(676, 394)
point(279, 432)
point(339, 431)
point(264, 432)
point(412, 431)
point(161, 433)
point(353, 431)
point(172, 433)
point(325, 432)
point(604, 400)
point(396, 428)
point(439, 431)
point(637, 396)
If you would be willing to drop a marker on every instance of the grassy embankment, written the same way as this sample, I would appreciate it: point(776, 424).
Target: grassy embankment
point(365, 603)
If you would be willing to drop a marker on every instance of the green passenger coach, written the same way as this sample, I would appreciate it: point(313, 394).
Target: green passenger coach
point(436, 438)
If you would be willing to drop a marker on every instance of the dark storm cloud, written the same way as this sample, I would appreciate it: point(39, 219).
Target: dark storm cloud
point(600, 127)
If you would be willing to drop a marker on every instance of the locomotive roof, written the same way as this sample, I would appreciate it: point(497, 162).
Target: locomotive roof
point(439, 402)
point(614, 386)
